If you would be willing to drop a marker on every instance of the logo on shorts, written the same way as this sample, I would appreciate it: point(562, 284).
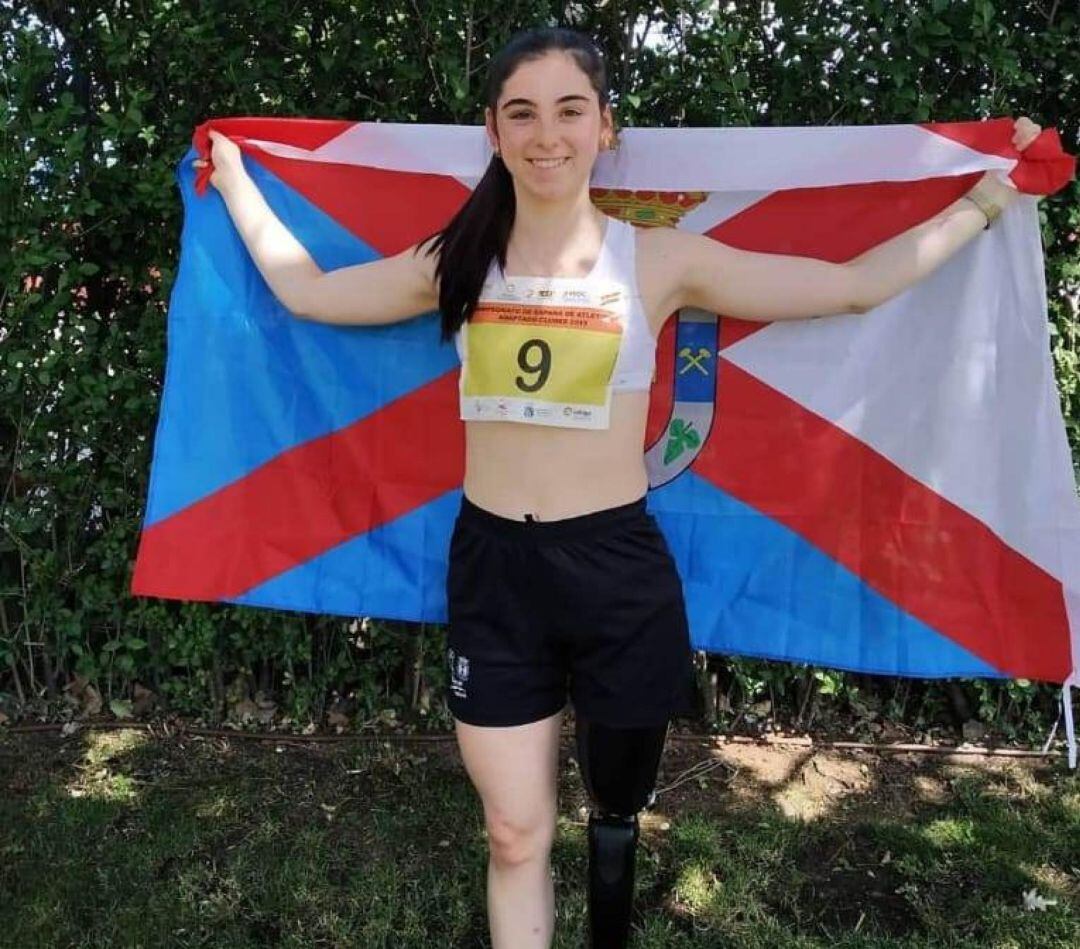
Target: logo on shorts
point(459, 673)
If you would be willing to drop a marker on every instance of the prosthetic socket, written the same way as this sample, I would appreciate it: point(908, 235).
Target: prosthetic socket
point(618, 768)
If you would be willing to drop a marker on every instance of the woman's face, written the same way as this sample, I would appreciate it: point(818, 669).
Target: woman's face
point(548, 110)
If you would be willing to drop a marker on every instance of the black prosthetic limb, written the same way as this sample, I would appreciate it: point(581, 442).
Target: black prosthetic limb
point(618, 768)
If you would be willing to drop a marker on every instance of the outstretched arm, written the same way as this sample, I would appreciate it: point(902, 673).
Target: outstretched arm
point(896, 264)
point(764, 287)
point(380, 291)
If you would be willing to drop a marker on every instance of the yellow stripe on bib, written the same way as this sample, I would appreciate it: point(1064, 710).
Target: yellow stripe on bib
point(553, 354)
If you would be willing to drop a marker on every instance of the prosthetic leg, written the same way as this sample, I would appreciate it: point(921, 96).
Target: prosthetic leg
point(618, 768)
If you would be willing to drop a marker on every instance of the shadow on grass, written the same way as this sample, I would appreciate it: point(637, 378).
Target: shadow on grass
point(114, 839)
point(809, 848)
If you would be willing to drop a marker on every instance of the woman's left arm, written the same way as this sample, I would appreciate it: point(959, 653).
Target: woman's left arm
point(756, 286)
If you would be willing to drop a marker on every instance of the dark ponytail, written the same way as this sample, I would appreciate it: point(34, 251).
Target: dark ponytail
point(480, 231)
point(475, 236)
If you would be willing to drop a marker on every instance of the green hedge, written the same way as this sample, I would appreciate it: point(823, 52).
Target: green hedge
point(100, 105)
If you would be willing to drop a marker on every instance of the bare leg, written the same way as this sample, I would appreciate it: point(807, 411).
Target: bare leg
point(514, 770)
point(521, 902)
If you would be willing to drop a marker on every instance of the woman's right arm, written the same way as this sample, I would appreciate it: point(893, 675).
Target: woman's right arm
point(381, 291)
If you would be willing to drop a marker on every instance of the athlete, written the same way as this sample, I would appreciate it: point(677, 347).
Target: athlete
point(559, 579)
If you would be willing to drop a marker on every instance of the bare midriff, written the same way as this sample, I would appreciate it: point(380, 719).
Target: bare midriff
point(513, 469)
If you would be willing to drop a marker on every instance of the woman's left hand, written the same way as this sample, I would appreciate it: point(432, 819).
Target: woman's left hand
point(1025, 132)
point(998, 187)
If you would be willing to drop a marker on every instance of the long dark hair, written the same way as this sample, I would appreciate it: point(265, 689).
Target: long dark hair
point(480, 230)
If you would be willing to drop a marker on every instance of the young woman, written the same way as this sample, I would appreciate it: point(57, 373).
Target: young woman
point(557, 572)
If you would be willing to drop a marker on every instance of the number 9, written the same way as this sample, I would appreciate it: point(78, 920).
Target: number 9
point(543, 366)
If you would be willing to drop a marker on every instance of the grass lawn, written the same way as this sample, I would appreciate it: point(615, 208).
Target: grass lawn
point(112, 839)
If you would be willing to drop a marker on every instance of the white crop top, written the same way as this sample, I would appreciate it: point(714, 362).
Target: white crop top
point(552, 350)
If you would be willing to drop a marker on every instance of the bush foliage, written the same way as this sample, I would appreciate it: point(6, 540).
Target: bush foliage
point(101, 99)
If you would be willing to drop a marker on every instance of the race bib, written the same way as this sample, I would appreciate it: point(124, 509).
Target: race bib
point(543, 351)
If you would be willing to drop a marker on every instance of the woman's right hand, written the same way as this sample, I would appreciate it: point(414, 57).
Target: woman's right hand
point(225, 158)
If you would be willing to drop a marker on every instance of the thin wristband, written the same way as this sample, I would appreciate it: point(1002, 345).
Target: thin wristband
point(989, 209)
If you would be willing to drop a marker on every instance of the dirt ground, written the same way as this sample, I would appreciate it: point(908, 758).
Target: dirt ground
point(698, 773)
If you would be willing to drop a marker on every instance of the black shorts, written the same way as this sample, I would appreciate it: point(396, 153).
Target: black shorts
point(593, 603)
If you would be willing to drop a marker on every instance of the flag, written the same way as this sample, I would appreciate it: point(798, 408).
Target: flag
point(889, 492)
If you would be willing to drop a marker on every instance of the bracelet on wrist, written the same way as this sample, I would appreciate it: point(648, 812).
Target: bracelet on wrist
point(989, 208)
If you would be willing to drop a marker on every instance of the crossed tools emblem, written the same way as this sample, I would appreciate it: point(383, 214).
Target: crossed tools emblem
point(693, 361)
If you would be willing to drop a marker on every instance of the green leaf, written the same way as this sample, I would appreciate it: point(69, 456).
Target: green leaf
point(672, 450)
point(121, 708)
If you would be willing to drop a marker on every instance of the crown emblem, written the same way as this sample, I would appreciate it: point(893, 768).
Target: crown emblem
point(647, 208)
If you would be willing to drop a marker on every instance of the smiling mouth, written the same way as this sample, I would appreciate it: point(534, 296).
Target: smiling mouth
point(548, 162)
